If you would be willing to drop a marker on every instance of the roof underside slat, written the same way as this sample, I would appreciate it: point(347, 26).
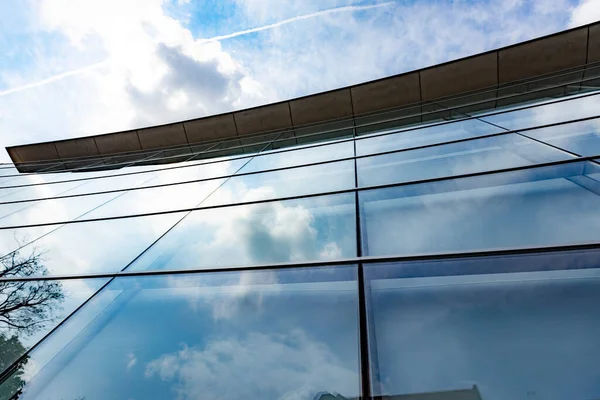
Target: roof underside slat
point(488, 72)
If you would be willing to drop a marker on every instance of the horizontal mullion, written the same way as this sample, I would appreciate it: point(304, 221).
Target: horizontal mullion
point(320, 194)
point(417, 127)
point(322, 263)
point(358, 125)
point(491, 89)
point(316, 163)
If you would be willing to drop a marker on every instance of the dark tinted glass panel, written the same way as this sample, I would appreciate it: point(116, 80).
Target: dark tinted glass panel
point(280, 231)
point(535, 207)
point(516, 327)
point(217, 336)
point(475, 155)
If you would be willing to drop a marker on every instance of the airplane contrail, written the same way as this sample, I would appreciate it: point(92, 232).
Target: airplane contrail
point(298, 18)
point(53, 78)
point(88, 68)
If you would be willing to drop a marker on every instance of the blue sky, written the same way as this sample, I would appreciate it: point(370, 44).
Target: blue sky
point(76, 68)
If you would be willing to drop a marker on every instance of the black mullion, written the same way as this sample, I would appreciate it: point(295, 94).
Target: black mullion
point(491, 135)
point(323, 263)
point(7, 372)
point(363, 336)
point(311, 195)
point(375, 135)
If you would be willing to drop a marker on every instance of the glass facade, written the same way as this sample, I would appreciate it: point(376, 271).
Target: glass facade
point(449, 252)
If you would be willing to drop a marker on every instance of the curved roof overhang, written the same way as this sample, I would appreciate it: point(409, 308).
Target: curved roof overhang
point(566, 54)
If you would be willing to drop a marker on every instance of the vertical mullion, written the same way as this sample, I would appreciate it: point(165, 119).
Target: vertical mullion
point(365, 374)
point(363, 335)
point(6, 373)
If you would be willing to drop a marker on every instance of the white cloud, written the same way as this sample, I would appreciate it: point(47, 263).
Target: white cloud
point(132, 360)
point(159, 71)
point(331, 251)
point(586, 12)
point(296, 366)
point(252, 234)
point(154, 71)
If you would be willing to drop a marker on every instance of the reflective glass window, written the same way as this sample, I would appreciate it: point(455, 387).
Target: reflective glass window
point(575, 108)
point(300, 156)
point(218, 336)
point(546, 206)
point(471, 156)
point(582, 138)
point(289, 182)
point(40, 191)
point(8, 171)
point(158, 199)
point(29, 310)
point(87, 247)
point(203, 170)
point(40, 178)
point(111, 183)
point(120, 178)
point(154, 199)
point(513, 327)
point(433, 134)
point(51, 211)
point(318, 228)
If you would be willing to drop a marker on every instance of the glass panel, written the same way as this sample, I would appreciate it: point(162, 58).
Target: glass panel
point(204, 170)
point(86, 247)
point(163, 177)
point(425, 136)
point(218, 336)
point(160, 199)
point(143, 172)
point(300, 156)
point(391, 120)
point(39, 191)
point(579, 107)
point(581, 138)
point(286, 183)
point(227, 149)
point(298, 181)
point(40, 178)
point(139, 201)
point(475, 155)
point(517, 327)
point(281, 231)
point(8, 171)
point(535, 207)
point(31, 309)
point(321, 132)
point(113, 183)
point(51, 211)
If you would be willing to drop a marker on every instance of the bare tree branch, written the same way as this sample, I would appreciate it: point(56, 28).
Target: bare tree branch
point(26, 306)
